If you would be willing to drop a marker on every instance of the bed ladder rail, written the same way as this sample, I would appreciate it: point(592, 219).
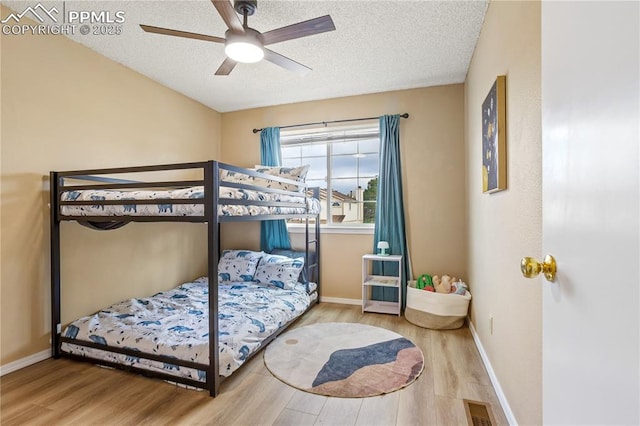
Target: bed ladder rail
point(313, 269)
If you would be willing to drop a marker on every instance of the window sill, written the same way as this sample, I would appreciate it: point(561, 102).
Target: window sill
point(333, 229)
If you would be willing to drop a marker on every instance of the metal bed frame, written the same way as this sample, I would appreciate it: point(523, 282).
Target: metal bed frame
point(210, 170)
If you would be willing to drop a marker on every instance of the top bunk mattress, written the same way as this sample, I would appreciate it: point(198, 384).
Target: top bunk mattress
point(296, 205)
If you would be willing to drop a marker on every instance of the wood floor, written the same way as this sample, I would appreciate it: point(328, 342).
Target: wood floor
point(64, 392)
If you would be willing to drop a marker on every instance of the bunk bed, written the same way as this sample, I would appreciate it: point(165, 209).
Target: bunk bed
point(220, 193)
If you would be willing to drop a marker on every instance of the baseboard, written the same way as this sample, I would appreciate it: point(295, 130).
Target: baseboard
point(492, 376)
point(340, 300)
point(24, 362)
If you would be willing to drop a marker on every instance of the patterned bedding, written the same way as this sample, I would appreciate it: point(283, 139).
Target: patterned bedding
point(175, 323)
point(307, 204)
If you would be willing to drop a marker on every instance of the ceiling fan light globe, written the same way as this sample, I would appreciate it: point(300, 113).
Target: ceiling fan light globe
point(241, 51)
point(246, 47)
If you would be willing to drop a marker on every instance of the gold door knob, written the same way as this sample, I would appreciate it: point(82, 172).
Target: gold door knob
point(531, 268)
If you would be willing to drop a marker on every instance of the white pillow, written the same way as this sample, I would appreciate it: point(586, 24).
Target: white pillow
point(279, 271)
point(235, 177)
point(238, 265)
point(299, 174)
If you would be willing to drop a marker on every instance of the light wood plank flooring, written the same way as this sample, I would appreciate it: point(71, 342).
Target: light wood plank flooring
point(65, 392)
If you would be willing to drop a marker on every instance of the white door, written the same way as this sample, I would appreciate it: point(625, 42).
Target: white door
point(590, 130)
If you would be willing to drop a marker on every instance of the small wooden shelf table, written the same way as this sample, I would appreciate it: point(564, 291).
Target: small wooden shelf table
point(369, 281)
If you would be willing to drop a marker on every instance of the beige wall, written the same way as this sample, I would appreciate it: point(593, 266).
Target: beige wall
point(432, 141)
point(507, 225)
point(65, 107)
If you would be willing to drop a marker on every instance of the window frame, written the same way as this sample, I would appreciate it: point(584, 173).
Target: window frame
point(328, 137)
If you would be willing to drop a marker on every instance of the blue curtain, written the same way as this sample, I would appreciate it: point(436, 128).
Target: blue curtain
point(389, 225)
point(273, 233)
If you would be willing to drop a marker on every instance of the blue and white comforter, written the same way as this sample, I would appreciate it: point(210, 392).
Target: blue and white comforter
point(176, 322)
point(306, 204)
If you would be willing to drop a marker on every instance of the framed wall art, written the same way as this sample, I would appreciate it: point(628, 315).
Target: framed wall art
point(494, 138)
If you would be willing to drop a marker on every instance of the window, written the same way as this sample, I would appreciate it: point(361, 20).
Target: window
point(344, 164)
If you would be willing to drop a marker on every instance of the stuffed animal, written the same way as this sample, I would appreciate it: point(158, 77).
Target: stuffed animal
point(437, 282)
point(425, 282)
point(453, 281)
point(448, 284)
point(459, 287)
point(443, 284)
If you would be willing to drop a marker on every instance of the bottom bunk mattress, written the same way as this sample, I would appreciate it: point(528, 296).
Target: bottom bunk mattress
point(175, 323)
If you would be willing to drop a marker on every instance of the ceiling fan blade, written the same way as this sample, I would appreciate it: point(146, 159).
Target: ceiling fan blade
point(228, 14)
point(226, 67)
point(285, 62)
point(178, 33)
point(301, 29)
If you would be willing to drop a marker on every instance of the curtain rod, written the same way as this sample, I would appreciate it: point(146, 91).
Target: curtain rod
point(324, 123)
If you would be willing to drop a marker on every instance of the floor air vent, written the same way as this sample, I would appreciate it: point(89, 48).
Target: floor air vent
point(478, 413)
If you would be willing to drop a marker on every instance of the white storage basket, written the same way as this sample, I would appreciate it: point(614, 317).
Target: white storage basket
point(439, 311)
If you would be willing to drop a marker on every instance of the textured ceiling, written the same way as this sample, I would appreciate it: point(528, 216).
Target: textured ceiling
point(377, 46)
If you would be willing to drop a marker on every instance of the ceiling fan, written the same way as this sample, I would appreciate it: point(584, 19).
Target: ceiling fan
point(245, 44)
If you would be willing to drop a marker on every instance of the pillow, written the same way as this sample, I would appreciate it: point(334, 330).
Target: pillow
point(292, 254)
point(299, 174)
point(238, 265)
point(279, 271)
point(234, 177)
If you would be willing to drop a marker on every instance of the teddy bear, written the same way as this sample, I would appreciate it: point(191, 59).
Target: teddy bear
point(437, 282)
point(443, 284)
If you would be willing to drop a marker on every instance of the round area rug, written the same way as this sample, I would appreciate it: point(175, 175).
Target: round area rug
point(344, 359)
